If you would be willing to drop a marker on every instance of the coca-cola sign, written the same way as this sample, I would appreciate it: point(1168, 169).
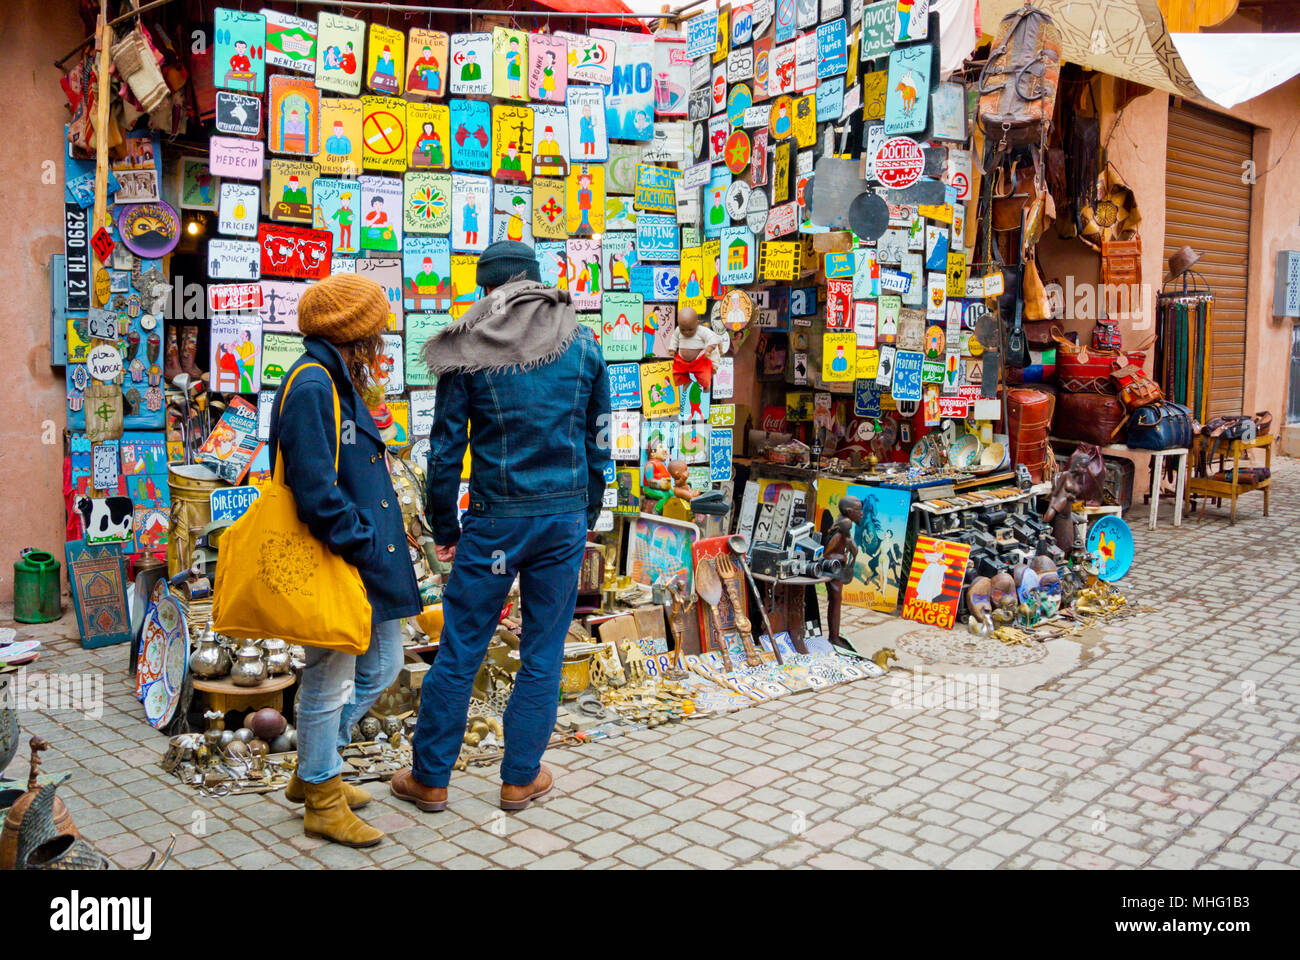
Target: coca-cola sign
point(899, 162)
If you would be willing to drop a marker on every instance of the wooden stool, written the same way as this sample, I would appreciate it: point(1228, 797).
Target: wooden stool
point(225, 696)
point(1207, 488)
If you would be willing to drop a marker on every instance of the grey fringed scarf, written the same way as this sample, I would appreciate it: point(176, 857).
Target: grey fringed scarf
point(519, 325)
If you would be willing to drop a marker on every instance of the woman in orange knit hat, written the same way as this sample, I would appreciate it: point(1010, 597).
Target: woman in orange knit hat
point(355, 512)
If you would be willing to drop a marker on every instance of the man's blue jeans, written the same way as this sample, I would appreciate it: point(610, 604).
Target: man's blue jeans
point(546, 553)
point(338, 690)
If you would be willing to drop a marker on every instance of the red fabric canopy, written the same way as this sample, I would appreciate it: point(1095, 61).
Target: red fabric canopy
point(598, 6)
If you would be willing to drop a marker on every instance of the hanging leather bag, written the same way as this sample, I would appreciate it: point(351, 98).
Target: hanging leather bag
point(1017, 87)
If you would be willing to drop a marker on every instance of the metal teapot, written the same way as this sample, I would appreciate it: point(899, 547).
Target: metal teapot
point(249, 669)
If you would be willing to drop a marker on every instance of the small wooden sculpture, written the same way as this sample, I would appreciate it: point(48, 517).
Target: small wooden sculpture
point(840, 544)
point(727, 570)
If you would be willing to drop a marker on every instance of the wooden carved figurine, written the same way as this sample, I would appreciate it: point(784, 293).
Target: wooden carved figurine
point(840, 545)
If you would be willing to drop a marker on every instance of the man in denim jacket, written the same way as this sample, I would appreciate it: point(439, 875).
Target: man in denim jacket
point(528, 382)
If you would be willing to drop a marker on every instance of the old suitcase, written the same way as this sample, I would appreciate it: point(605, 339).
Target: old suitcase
point(1089, 417)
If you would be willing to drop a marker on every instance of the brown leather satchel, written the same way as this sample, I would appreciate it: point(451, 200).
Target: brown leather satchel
point(1018, 84)
point(1089, 417)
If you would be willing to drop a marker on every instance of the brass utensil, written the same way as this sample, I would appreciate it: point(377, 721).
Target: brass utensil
point(708, 586)
point(727, 570)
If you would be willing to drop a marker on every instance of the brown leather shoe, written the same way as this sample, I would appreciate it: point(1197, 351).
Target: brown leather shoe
point(404, 786)
point(295, 791)
point(516, 798)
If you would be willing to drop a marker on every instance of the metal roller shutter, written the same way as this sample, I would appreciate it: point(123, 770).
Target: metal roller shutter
point(1207, 207)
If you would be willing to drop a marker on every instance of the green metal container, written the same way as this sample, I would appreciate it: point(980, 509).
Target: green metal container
point(36, 588)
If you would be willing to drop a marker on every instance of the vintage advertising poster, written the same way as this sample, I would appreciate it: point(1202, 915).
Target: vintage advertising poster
point(672, 77)
point(629, 97)
point(934, 583)
point(339, 45)
point(340, 124)
point(427, 52)
point(879, 536)
point(659, 395)
point(280, 351)
point(907, 97)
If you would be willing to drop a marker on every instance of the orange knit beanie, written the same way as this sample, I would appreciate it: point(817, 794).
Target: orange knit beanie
point(343, 308)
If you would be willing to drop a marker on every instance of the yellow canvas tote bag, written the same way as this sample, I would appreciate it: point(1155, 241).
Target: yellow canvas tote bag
point(276, 579)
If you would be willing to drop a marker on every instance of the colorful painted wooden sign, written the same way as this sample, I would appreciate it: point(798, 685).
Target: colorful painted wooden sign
point(239, 50)
point(339, 44)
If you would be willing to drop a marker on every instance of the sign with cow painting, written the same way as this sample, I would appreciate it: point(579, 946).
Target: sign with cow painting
point(295, 252)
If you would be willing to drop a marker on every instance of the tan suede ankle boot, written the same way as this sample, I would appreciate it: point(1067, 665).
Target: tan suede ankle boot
point(327, 817)
point(296, 792)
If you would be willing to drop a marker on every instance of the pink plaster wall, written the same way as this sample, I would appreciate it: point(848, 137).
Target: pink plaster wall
point(1137, 148)
point(33, 33)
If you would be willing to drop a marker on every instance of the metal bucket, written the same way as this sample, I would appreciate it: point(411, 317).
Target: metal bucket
point(191, 487)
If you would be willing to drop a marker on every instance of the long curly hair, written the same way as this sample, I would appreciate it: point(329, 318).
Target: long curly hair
point(363, 366)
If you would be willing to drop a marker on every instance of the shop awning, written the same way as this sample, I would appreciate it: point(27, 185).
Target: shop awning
point(1230, 68)
point(1131, 40)
point(611, 7)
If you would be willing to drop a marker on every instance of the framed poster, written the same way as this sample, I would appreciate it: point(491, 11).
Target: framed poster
point(934, 582)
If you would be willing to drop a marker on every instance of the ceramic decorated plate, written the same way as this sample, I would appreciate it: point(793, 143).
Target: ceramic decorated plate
point(10, 653)
point(1111, 541)
point(924, 453)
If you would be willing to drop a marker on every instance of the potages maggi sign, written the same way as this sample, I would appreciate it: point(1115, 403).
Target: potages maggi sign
point(899, 162)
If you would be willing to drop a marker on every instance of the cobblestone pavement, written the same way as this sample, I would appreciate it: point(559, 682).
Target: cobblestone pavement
point(1170, 741)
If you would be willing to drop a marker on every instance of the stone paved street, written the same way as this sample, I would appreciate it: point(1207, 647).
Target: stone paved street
point(1165, 739)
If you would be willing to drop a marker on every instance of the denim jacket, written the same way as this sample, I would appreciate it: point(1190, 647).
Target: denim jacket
point(540, 440)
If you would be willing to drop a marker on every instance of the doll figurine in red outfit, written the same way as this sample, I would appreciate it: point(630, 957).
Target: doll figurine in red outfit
point(696, 350)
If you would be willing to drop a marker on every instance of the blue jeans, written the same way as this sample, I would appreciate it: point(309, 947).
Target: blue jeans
point(546, 553)
point(337, 691)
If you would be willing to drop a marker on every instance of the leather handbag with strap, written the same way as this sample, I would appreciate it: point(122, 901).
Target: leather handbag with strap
point(1160, 426)
point(1017, 87)
point(276, 579)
